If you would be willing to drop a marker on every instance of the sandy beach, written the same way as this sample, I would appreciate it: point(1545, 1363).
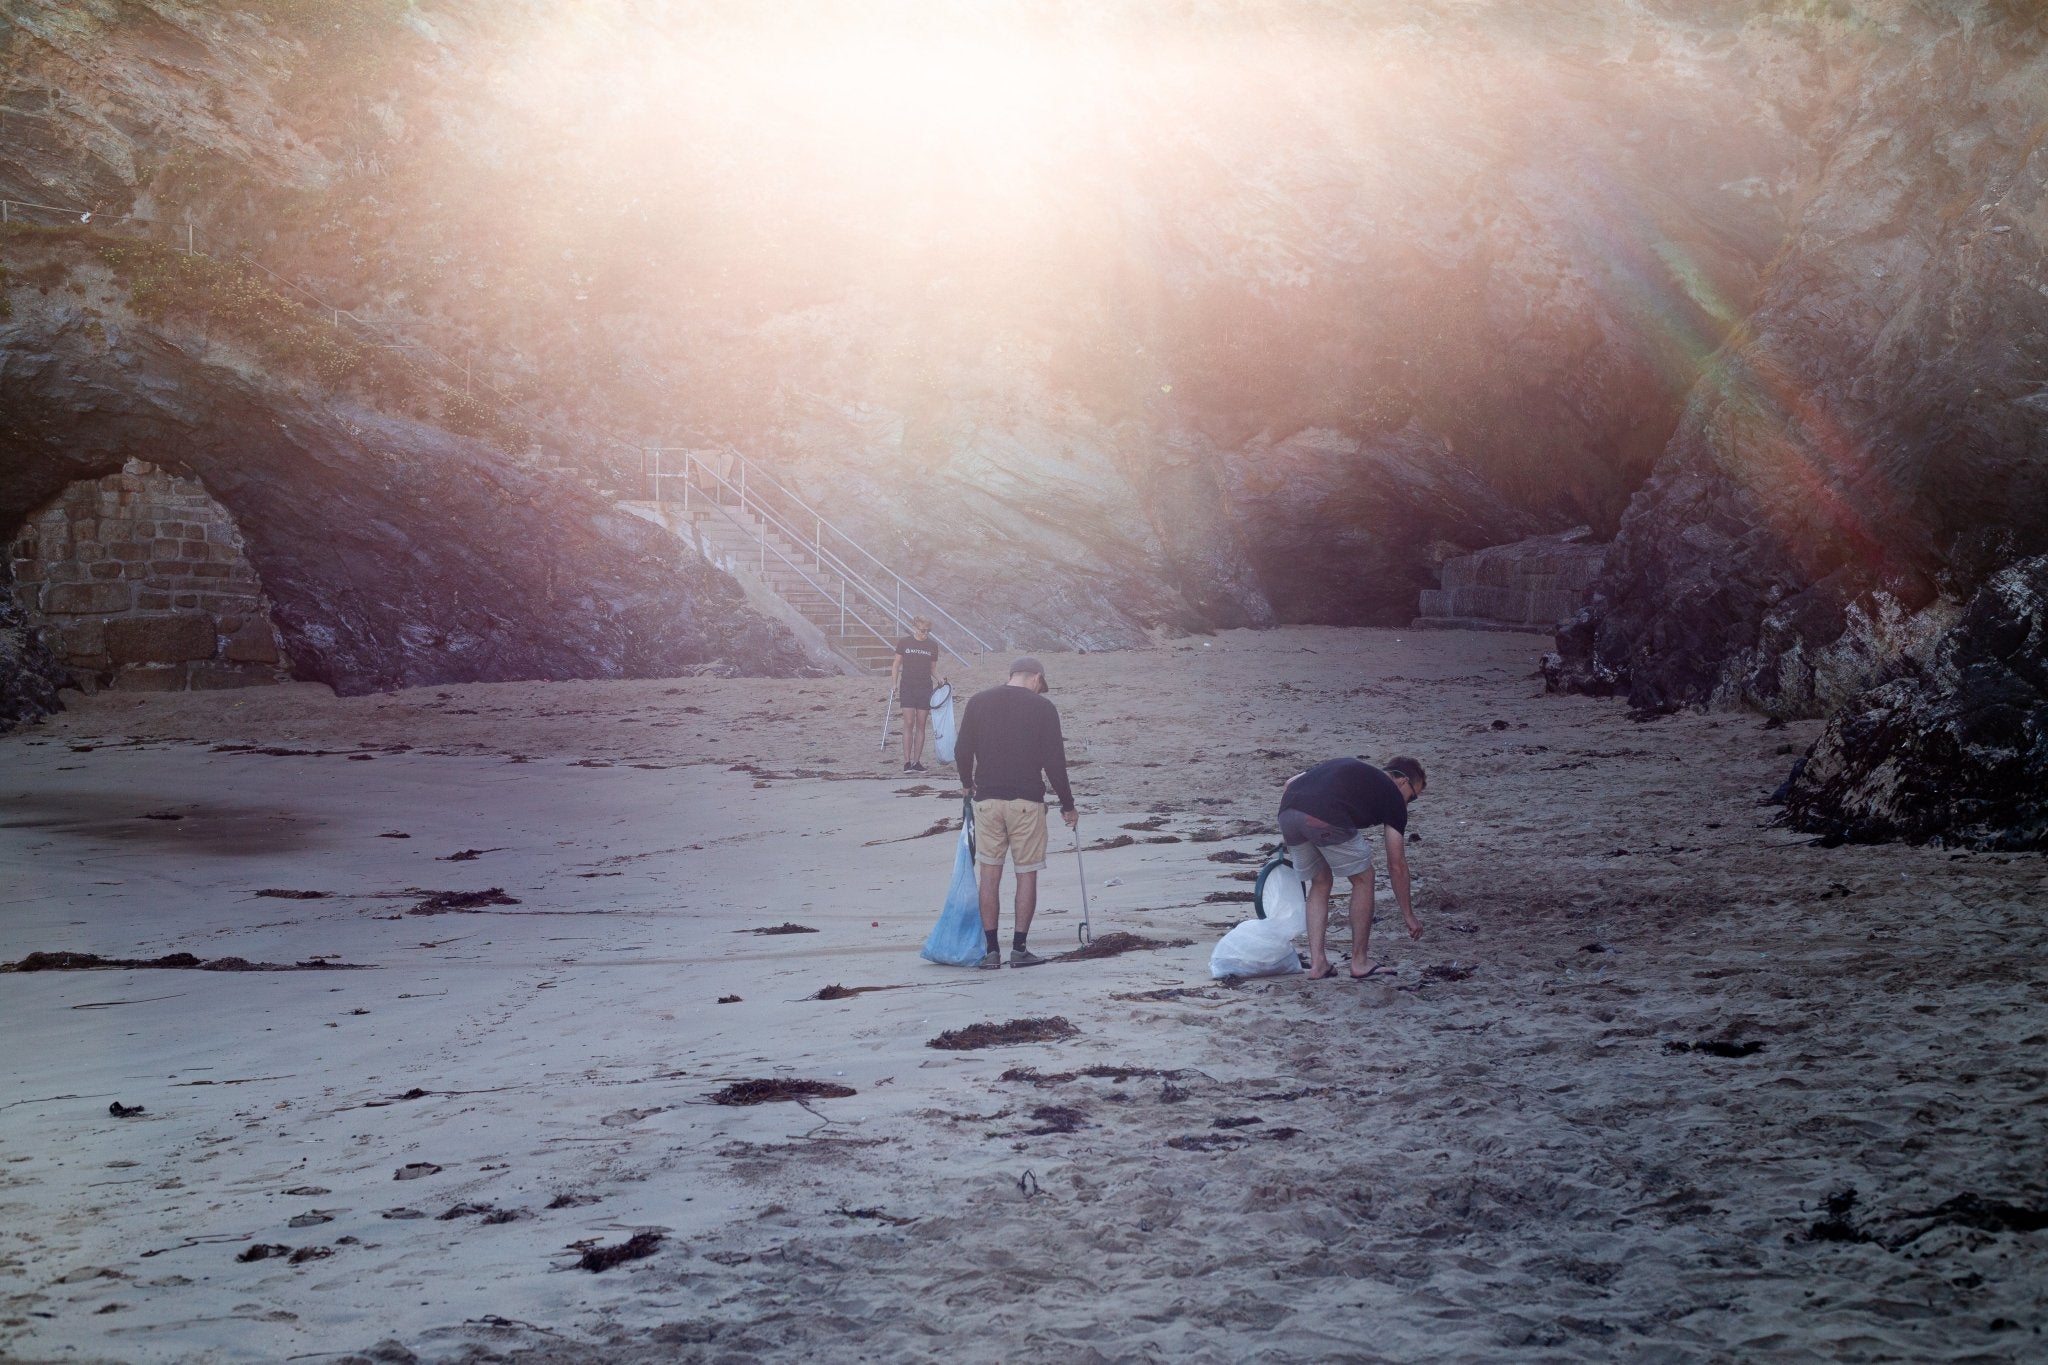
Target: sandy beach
point(1661, 1081)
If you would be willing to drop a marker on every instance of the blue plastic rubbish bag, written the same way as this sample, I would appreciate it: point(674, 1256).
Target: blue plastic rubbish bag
point(956, 940)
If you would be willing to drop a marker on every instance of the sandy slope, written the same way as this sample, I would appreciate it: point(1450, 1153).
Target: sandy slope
point(1507, 1165)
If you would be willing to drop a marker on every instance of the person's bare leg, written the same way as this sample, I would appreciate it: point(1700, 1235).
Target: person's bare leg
point(1027, 900)
point(920, 726)
point(991, 888)
point(910, 715)
point(1319, 924)
point(1361, 924)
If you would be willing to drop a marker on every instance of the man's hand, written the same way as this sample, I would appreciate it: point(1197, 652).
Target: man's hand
point(1072, 816)
point(1414, 927)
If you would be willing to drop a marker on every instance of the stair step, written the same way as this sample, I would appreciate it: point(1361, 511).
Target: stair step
point(792, 569)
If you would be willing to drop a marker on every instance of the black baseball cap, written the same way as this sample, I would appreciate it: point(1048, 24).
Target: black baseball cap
point(1029, 664)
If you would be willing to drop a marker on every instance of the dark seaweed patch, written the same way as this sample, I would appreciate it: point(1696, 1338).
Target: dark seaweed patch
point(875, 1215)
point(783, 928)
point(92, 962)
point(1205, 1142)
point(1118, 1075)
point(1985, 1215)
point(1717, 1048)
point(634, 1248)
point(1112, 945)
point(1049, 1029)
point(456, 902)
point(1056, 1118)
point(1836, 1227)
point(775, 1090)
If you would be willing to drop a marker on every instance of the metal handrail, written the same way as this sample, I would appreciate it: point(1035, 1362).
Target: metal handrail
point(828, 558)
point(770, 520)
point(838, 563)
point(798, 569)
point(823, 521)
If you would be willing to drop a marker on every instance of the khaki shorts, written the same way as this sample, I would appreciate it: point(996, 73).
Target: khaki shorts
point(1313, 845)
point(1013, 827)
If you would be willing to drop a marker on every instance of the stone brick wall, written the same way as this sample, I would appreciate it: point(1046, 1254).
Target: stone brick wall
point(138, 581)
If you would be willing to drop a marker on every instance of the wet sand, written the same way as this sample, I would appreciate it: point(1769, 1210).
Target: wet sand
point(1661, 1081)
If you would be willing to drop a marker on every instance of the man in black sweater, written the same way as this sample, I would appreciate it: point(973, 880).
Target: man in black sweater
point(1008, 748)
point(1325, 814)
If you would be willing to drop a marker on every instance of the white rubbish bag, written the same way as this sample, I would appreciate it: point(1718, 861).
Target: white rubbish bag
point(1265, 946)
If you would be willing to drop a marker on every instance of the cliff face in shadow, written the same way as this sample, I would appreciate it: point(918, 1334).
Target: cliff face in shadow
point(1955, 750)
point(30, 677)
point(396, 554)
point(1039, 317)
point(1875, 444)
point(1099, 322)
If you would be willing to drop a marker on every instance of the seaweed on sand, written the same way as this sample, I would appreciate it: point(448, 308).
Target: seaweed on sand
point(1111, 945)
point(90, 962)
point(770, 1091)
point(639, 1245)
point(1049, 1029)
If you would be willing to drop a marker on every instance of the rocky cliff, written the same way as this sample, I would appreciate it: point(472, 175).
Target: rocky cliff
point(1090, 320)
point(29, 675)
point(1956, 749)
point(1875, 443)
point(396, 553)
point(1096, 321)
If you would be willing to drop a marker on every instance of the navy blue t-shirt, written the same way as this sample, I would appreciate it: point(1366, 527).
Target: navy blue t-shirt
point(918, 657)
point(1348, 792)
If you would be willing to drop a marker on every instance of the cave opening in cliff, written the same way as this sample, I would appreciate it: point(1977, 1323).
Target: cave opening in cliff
point(138, 581)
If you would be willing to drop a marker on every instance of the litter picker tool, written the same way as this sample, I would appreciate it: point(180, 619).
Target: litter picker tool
point(888, 710)
point(1087, 934)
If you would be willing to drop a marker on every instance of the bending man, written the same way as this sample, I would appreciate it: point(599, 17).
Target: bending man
point(1325, 815)
point(1008, 748)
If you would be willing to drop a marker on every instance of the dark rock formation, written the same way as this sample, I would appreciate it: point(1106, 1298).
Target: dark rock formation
point(396, 553)
point(29, 675)
point(1524, 585)
point(1456, 302)
point(1877, 442)
point(1389, 282)
point(1343, 532)
point(1957, 750)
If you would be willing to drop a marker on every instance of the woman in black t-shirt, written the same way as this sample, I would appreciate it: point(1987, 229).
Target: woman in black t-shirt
point(910, 675)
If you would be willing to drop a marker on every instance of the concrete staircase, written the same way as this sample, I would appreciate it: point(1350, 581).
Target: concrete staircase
point(793, 572)
point(845, 605)
point(1530, 585)
point(835, 619)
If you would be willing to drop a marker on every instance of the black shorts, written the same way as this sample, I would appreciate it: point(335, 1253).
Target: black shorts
point(914, 696)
